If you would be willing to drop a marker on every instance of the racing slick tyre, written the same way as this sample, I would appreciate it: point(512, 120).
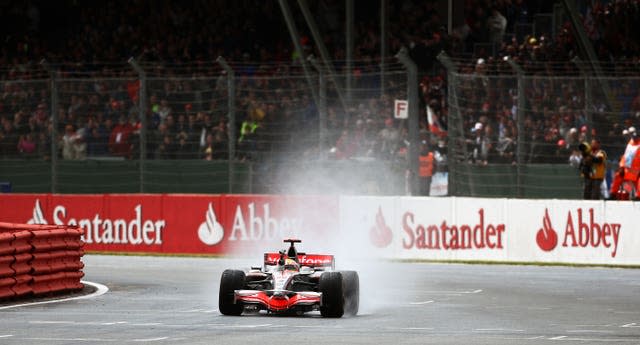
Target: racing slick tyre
point(331, 287)
point(231, 280)
point(351, 288)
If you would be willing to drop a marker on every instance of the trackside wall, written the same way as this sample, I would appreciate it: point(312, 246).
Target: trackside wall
point(508, 230)
point(449, 228)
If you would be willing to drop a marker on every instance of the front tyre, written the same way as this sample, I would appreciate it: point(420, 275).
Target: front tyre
point(331, 287)
point(231, 280)
point(351, 288)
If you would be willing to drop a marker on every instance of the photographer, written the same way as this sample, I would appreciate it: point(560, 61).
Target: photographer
point(593, 169)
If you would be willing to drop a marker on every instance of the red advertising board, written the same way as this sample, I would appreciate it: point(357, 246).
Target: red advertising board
point(180, 223)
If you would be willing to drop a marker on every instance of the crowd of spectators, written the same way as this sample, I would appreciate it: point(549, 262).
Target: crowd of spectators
point(557, 102)
point(187, 118)
point(187, 107)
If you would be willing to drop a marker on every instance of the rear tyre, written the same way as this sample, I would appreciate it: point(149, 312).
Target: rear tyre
point(330, 286)
point(351, 288)
point(231, 280)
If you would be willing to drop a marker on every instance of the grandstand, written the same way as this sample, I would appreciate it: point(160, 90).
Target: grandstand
point(214, 96)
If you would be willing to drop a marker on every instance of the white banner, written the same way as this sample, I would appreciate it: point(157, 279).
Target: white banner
point(508, 230)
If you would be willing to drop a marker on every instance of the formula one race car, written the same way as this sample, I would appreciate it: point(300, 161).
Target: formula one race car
point(290, 282)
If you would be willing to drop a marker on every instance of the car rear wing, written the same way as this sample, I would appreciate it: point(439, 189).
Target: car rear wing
point(311, 260)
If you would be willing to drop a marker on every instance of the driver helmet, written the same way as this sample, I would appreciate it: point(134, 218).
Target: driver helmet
point(292, 265)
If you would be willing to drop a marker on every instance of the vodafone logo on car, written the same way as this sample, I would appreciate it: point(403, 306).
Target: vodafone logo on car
point(581, 231)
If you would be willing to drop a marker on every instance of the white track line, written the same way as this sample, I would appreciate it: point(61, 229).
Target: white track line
point(101, 290)
point(419, 303)
point(89, 340)
point(150, 339)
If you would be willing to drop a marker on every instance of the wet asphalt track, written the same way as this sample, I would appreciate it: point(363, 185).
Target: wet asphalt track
point(159, 300)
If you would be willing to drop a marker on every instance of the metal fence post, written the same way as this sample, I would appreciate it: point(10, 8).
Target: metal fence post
point(587, 94)
point(142, 106)
point(295, 38)
point(54, 125)
point(414, 123)
point(349, 33)
point(519, 125)
point(322, 107)
point(324, 54)
point(455, 132)
point(383, 45)
point(231, 89)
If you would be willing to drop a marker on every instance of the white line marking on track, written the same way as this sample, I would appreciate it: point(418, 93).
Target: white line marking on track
point(101, 290)
point(90, 323)
point(588, 331)
point(604, 340)
point(150, 339)
point(497, 330)
point(464, 292)
point(420, 303)
point(607, 325)
point(626, 312)
point(534, 338)
point(6, 335)
point(558, 337)
point(93, 340)
point(87, 323)
point(416, 328)
point(631, 325)
point(250, 326)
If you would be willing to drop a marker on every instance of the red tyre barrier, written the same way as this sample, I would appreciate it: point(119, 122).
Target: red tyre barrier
point(73, 243)
point(48, 283)
point(22, 241)
point(5, 287)
point(5, 266)
point(41, 263)
point(22, 264)
point(5, 243)
point(22, 286)
point(18, 226)
point(57, 261)
point(72, 280)
point(39, 259)
point(74, 265)
point(49, 240)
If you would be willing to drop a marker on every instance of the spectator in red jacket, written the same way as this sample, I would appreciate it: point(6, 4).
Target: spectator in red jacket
point(119, 141)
